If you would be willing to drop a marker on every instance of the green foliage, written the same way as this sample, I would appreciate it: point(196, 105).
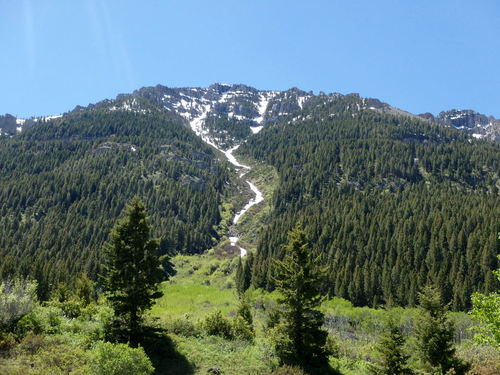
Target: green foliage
point(393, 360)
point(300, 340)
point(182, 327)
point(486, 311)
point(217, 325)
point(243, 322)
point(66, 181)
point(17, 298)
point(7, 341)
point(132, 269)
point(84, 289)
point(435, 334)
point(378, 195)
point(118, 359)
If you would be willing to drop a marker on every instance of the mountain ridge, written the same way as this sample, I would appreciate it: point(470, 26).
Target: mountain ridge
point(246, 109)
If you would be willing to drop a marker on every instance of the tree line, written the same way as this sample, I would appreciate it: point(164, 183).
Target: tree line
point(390, 204)
point(64, 183)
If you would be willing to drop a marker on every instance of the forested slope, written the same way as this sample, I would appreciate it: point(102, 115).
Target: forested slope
point(390, 203)
point(65, 181)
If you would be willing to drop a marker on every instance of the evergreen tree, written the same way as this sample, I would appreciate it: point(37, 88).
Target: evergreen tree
point(390, 348)
point(300, 340)
point(243, 274)
point(239, 278)
point(435, 334)
point(132, 270)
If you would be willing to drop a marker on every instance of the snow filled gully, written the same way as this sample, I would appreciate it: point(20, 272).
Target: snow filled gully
point(252, 202)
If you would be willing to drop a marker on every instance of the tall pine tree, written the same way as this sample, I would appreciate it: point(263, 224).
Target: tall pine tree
point(300, 339)
point(132, 270)
point(435, 334)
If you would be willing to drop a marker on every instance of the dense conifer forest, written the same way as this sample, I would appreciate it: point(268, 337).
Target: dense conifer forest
point(65, 181)
point(364, 227)
point(390, 203)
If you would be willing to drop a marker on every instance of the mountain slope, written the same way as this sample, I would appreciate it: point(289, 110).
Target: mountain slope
point(65, 181)
point(392, 201)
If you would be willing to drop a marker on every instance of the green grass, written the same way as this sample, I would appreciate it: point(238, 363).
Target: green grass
point(203, 284)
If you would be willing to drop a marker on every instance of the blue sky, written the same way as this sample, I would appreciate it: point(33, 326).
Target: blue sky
point(421, 56)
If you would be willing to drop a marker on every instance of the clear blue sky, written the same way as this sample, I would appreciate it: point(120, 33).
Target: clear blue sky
point(425, 55)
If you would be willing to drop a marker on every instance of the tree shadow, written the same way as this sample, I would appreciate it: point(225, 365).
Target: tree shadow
point(323, 370)
point(163, 354)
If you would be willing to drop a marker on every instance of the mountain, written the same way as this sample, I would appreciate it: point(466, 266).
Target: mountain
point(239, 111)
point(391, 201)
point(479, 125)
point(65, 181)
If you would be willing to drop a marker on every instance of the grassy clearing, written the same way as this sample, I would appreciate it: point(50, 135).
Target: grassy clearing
point(204, 283)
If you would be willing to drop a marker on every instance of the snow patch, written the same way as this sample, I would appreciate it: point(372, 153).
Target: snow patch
point(256, 129)
point(252, 202)
point(262, 106)
point(301, 100)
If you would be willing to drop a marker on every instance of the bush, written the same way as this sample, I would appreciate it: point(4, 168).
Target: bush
point(242, 329)
point(118, 359)
point(215, 324)
point(29, 323)
point(32, 343)
point(17, 298)
point(7, 341)
point(182, 327)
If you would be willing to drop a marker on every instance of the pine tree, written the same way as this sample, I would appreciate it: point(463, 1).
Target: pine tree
point(132, 270)
point(435, 333)
point(240, 288)
point(300, 340)
point(390, 348)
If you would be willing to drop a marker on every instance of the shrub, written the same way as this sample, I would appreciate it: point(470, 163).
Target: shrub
point(29, 323)
point(332, 346)
point(17, 298)
point(40, 320)
point(243, 322)
point(32, 343)
point(217, 325)
point(118, 359)
point(243, 330)
point(182, 327)
point(7, 341)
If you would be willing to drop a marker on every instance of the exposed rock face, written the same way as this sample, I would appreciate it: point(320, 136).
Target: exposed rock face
point(479, 125)
point(224, 115)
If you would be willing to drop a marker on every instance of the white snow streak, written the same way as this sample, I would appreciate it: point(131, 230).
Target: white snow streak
point(252, 202)
point(256, 129)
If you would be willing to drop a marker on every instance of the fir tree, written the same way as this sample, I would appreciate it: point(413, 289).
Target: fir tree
point(435, 334)
point(132, 270)
point(390, 348)
point(300, 340)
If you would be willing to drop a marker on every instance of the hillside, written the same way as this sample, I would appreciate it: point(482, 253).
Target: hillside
point(66, 180)
point(391, 201)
